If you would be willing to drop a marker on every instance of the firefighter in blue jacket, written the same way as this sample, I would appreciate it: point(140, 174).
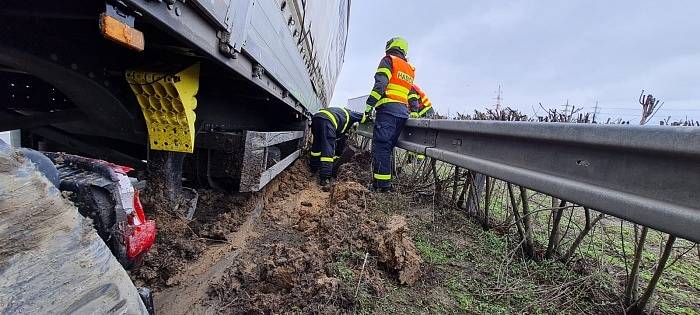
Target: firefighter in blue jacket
point(393, 82)
point(329, 128)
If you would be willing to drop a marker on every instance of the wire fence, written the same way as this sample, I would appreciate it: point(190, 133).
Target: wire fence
point(546, 228)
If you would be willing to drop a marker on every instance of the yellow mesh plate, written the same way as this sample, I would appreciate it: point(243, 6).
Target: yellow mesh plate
point(167, 102)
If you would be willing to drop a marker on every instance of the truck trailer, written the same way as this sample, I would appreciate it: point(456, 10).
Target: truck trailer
point(216, 92)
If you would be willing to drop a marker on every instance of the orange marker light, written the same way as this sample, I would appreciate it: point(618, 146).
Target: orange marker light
point(121, 33)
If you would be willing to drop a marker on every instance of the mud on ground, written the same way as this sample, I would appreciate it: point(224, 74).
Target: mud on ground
point(181, 242)
point(291, 249)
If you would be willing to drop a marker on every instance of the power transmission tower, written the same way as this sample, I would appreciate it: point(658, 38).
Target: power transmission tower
point(498, 98)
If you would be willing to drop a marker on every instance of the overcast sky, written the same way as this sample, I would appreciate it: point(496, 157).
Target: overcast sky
point(538, 51)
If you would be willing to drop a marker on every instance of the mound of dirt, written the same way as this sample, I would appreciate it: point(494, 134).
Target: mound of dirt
point(358, 169)
point(305, 252)
point(297, 264)
point(397, 251)
point(348, 192)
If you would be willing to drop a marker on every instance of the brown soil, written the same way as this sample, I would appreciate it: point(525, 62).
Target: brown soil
point(180, 242)
point(291, 249)
point(396, 250)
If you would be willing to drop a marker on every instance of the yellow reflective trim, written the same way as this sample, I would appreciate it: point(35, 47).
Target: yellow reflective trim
point(387, 100)
point(336, 157)
point(383, 101)
point(394, 86)
point(331, 116)
point(376, 95)
point(347, 120)
point(315, 153)
point(382, 176)
point(364, 118)
point(396, 93)
point(327, 159)
point(385, 71)
point(424, 110)
point(413, 96)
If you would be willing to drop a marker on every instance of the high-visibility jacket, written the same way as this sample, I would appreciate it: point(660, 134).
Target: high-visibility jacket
point(341, 118)
point(400, 82)
point(423, 105)
point(392, 84)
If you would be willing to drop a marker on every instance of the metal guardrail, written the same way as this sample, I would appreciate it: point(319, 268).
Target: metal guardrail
point(649, 175)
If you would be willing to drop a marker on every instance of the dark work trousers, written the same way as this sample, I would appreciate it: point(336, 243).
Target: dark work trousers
point(322, 147)
point(340, 145)
point(387, 129)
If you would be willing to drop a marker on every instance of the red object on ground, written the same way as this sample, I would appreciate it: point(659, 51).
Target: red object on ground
point(141, 238)
point(142, 232)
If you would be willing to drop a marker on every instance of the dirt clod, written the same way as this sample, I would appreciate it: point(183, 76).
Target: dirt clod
point(397, 251)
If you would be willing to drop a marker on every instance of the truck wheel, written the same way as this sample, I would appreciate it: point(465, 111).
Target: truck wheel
point(43, 164)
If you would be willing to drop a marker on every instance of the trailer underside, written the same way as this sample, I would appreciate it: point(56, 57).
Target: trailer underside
point(65, 88)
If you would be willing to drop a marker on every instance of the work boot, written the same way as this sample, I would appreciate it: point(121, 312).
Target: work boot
point(325, 184)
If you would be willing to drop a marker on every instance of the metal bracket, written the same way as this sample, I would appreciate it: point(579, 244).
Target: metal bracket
point(256, 173)
point(258, 71)
point(224, 47)
point(120, 14)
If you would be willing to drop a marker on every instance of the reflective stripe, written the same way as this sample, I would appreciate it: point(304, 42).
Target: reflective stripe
point(336, 157)
point(398, 94)
point(364, 117)
point(388, 100)
point(384, 101)
point(385, 71)
point(402, 89)
point(347, 120)
point(382, 176)
point(315, 153)
point(331, 116)
point(376, 95)
point(327, 159)
point(425, 110)
point(413, 96)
